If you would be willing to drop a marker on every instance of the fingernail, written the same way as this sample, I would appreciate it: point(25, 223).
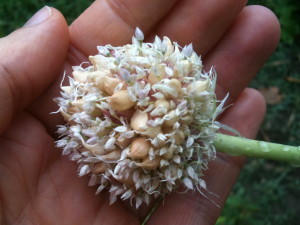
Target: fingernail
point(39, 17)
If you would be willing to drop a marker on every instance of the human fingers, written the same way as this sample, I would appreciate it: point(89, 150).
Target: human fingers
point(196, 208)
point(38, 186)
point(243, 50)
point(114, 21)
point(29, 59)
point(202, 23)
point(240, 53)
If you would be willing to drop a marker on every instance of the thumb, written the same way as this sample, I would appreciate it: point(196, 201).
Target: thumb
point(30, 59)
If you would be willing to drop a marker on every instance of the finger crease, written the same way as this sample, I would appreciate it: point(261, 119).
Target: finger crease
point(122, 11)
point(18, 85)
point(9, 81)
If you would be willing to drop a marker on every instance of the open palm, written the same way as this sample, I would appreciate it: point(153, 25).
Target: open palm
point(38, 185)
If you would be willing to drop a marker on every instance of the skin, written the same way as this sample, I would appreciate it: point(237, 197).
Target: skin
point(38, 185)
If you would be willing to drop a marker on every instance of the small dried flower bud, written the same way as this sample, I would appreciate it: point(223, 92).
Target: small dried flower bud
point(188, 50)
point(77, 105)
point(179, 137)
point(149, 164)
point(162, 103)
point(198, 86)
point(158, 143)
point(67, 89)
point(156, 74)
point(168, 46)
point(80, 76)
point(96, 112)
point(172, 105)
point(95, 76)
point(108, 84)
point(151, 132)
point(99, 168)
point(184, 67)
point(169, 154)
point(167, 130)
point(120, 101)
point(103, 50)
point(139, 34)
point(111, 156)
point(73, 109)
point(125, 74)
point(96, 149)
point(139, 148)
point(139, 120)
point(65, 115)
point(101, 62)
point(127, 181)
point(186, 119)
point(171, 119)
point(123, 142)
point(174, 83)
point(104, 132)
point(171, 88)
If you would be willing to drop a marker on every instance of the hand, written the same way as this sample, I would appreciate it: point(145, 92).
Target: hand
point(37, 184)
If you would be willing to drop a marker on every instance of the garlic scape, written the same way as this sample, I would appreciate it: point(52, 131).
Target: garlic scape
point(141, 119)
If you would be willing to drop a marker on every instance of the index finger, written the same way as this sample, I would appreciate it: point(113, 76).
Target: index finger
point(114, 21)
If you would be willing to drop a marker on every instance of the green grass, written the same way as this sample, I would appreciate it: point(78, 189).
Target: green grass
point(266, 192)
point(282, 122)
point(13, 14)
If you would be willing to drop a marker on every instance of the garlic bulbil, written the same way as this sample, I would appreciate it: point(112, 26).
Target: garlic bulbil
point(140, 120)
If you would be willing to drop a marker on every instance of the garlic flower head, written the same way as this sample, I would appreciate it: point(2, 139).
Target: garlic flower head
point(140, 119)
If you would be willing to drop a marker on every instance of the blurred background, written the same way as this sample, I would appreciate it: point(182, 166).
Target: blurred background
point(267, 192)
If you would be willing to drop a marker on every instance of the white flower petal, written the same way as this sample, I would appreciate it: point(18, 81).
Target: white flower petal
point(164, 163)
point(84, 170)
point(110, 144)
point(202, 183)
point(138, 202)
point(127, 194)
point(139, 34)
point(190, 171)
point(189, 142)
point(188, 50)
point(179, 173)
point(158, 95)
point(100, 188)
point(121, 129)
point(93, 180)
point(188, 183)
point(177, 159)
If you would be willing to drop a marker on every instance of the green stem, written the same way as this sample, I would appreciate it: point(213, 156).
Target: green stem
point(152, 210)
point(239, 146)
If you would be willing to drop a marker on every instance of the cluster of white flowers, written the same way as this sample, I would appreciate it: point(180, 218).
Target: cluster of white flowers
point(140, 119)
